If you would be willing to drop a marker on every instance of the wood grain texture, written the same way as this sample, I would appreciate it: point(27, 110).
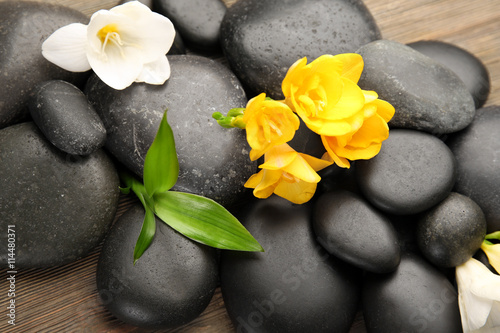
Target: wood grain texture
point(65, 299)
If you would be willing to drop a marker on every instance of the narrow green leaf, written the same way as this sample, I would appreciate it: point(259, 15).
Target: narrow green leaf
point(204, 220)
point(161, 167)
point(136, 186)
point(493, 235)
point(146, 236)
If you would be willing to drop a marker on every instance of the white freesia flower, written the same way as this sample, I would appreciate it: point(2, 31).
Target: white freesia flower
point(125, 44)
point(478, 297)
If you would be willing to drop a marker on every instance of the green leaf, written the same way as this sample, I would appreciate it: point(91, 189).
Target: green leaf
point(204, 220)
point(494, 235)
point(161, 167)
point(146, 236)
point(136, 186)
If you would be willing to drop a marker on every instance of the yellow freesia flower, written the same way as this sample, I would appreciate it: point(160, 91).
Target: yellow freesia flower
point(493, 253)
point(365, 142)
point(268, 123)
point(325, 93)
point(288, 174)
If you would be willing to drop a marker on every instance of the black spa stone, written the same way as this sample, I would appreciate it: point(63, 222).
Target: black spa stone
point(295, 285)
point(60, 205)
point(451, 232)
point(262, 39)
point(467, 66)
point(170, 285)
point(351, 229)
point(477, 150)
point(197, 21)
point(427, 95)
point(413, 172)
point(25, 26)
point(66, 118)
point(213, 160)
point(415, 298)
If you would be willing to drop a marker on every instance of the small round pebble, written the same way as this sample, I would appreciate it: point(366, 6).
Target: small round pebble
point(413, 172)
point(66, 118)
point(450, 233)
point(467, 66)
point(351, 229)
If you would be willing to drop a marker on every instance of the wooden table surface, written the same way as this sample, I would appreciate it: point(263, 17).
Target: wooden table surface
point(65, 299)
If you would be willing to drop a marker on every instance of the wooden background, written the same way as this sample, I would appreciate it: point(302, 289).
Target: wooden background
point(64, 299)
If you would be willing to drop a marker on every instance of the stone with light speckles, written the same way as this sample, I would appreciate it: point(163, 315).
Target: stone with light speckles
point(24, 26)
point(60, 205)
point(262, 38)
point(213, 160)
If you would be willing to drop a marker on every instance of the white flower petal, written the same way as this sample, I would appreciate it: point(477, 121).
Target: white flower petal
point(66, 48)
point(156, 72)
point(152, 32)
point(478, 294)
point(132, 9)
point(493, 321)
point(99, 20)
point(116, 70)
point(158, 37)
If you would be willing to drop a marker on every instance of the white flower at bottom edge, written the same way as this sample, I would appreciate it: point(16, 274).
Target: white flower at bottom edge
point(478, 297)
point(124, 44)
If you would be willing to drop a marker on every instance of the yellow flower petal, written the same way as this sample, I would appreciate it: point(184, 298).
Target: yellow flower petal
point(370, 96)
point(268, 123)
point(298, 192)
point(329, 142)
point(316, 163)
point(374, 130)
point(302, 170)
point(384, 109)
point(493, 253)
point(350, 103)
point(352, 65)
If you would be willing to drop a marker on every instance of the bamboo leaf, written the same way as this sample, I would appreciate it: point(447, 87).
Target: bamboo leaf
point(204, 220)
point(161, 167)
point(146, 236)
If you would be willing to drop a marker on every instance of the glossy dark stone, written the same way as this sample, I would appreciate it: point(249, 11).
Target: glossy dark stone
point(477, 149)
point(262, 39)
point(25, 26)
point(295, 286)
point(450, 233)
point(427, 95)
point(414, 298)
point(61, 205)
point(467, 66)
point(170, 285)
point(213, 160)
point(66, 118)
point(198, 21)
point(413, 172)
point(352, 230)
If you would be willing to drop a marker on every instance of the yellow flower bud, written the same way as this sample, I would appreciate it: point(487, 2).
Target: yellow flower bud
point(269, 123)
